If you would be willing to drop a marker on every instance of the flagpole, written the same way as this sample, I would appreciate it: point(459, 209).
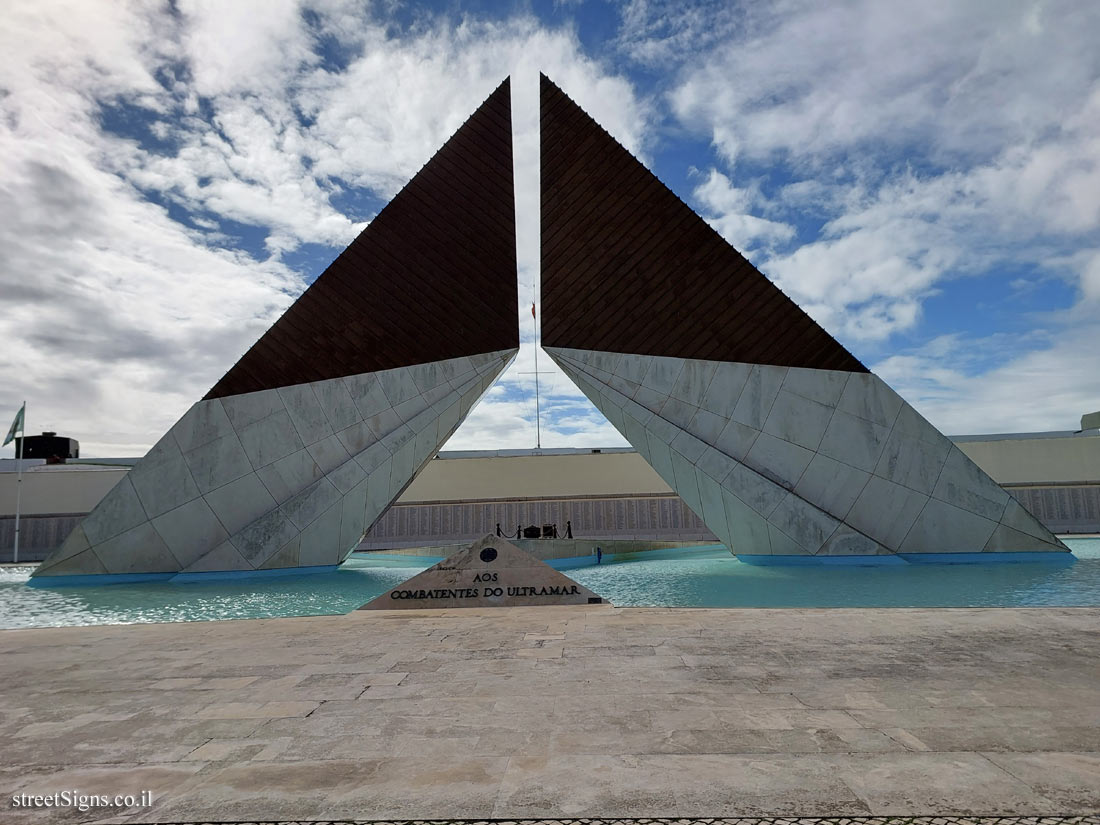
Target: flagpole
point(538, 426)
point(19, 485)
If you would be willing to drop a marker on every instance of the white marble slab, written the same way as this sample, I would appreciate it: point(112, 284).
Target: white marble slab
point(852, 463)
point(163, 481)
point(822, 386)
point(885, 511)
point(868, 397)
point(217, 463)
point(758, 395)
point(190, 531)
point(278, 477)
point(964, 485)
point(203, 423)
point(798, 420)
point(831, 485)
point(240, 502)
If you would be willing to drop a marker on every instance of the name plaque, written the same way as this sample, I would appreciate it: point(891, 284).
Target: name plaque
point(491, 572)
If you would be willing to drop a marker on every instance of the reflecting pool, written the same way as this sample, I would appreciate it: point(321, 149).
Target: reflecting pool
point(690, 578)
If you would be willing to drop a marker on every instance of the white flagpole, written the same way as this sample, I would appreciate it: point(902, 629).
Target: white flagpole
point(538, 415)
point(19, 485)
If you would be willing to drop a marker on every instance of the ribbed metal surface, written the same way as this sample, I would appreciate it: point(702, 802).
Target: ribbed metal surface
point(432, 277)
point(628, 267)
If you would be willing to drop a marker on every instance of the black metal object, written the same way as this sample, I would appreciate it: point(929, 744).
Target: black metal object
point(49, 445)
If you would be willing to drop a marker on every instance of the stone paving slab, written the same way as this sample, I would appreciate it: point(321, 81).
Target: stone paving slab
point(640, 713)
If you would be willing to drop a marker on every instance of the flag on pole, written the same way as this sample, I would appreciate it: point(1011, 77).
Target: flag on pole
point(16, 426)
point(533, 310)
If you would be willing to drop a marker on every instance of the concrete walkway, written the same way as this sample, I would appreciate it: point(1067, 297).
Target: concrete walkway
point(559, 712)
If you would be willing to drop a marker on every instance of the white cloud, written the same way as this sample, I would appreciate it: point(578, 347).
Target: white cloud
point(910, 148)
point(247, 46)
point(505, 417)
point(955, 79)
point(116, 317)
point(892, 243)
point(935, 144)
point(729, 211)
point(661, 33)
point(1090, 278)
point(119, 316)
point(499, 423)
point(1049, 386)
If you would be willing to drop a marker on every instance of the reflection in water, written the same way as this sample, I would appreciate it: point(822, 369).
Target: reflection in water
point(696, 579)
point(722, 582)
point(240, 598)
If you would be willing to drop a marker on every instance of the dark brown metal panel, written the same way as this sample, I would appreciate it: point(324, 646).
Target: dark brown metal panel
point(432, 277)
point(628, 267)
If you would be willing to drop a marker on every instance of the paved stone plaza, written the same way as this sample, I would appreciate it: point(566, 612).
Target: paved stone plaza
point(561, 712)
point(839, 820)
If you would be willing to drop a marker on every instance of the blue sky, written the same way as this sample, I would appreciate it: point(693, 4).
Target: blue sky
point(923, 178)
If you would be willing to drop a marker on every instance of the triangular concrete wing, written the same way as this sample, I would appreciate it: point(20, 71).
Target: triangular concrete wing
point(767, 427)
point(320, 426)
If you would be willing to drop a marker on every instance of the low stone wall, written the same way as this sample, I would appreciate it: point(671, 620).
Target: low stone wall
point(1063, 508)
point(661, 517)
point(548, 549)
point(38, 535)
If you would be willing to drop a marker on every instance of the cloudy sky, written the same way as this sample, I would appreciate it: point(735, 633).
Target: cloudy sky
point(923, 177)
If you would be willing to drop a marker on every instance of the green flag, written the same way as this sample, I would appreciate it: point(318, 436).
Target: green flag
point(16, 426)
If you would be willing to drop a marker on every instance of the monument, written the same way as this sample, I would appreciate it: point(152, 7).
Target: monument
point(784, 444)
point(307, 440)
point(781, 441)
point(491, 572)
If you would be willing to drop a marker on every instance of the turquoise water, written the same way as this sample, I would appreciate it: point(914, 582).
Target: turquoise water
point(714, 579)
point(320, 594)
point(699, 578)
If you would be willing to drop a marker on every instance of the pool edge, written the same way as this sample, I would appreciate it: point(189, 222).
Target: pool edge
point(904, 559)
point(97, 579)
